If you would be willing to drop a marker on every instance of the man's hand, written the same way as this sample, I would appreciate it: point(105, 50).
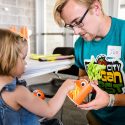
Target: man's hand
point(101, 100)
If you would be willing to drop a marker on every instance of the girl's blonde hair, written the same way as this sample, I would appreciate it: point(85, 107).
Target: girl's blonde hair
point(59, 5)
point(10, 47)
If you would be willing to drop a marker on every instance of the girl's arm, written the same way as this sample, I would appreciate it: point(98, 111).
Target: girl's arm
point(40, 107)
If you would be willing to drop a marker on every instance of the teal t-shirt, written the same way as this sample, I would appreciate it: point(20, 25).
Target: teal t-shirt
point(109, 51)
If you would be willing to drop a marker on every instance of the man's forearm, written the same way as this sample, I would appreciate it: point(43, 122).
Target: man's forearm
point(119, 100)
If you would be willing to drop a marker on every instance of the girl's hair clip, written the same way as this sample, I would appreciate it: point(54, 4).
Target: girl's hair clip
point(23, 32)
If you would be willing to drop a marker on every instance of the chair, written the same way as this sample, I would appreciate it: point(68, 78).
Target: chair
point(64, 50)
point(73, 70)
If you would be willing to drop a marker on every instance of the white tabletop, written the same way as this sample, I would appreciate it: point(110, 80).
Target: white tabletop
point(35, 68)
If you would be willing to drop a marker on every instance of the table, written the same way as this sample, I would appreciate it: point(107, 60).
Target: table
point(35, 68)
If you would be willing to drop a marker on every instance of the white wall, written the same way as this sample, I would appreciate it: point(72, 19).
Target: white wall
point(115, 8)
point(52, 41)
point(39, 26)
point(121, 14)
point(45, 23)
point(111, 7)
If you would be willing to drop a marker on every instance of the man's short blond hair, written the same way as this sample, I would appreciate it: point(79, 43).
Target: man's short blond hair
point(59, 5)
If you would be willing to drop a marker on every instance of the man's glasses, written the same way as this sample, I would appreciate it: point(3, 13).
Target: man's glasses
point(79, 23)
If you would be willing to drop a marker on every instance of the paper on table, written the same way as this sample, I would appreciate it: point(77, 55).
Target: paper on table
point(35, 68)
point(37, 56)
point(50, 57)
point(60, 57)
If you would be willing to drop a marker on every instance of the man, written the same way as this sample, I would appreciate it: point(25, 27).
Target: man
point(101, 36)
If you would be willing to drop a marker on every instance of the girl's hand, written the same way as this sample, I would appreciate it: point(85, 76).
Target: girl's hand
point(101, 100)
point(69, 84)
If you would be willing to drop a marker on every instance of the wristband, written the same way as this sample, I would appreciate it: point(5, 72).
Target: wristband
point(111, 100)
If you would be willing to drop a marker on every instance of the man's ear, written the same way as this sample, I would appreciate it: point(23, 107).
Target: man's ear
point(97, 10)
point(96, 7)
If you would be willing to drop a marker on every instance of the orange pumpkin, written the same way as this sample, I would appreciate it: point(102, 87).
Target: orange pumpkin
point(81, 91)
point(39, 93)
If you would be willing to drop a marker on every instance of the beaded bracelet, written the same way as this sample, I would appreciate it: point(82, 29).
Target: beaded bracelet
point(111, 100)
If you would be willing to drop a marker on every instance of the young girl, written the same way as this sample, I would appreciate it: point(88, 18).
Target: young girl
point(18, 106)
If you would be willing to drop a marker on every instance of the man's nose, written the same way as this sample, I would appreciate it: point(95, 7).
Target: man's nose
point(76, 30)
